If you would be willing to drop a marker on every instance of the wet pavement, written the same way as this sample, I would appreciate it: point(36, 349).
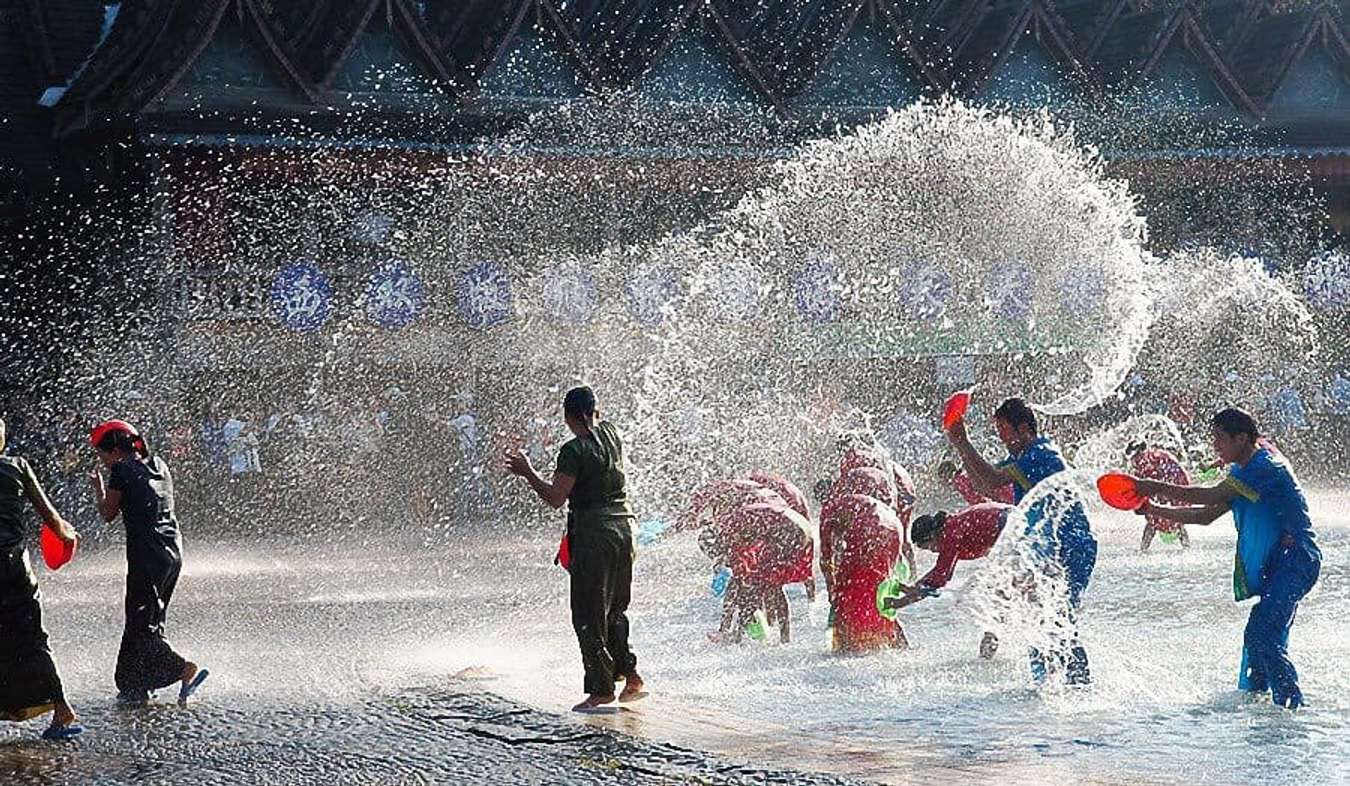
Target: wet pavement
point(372, 659)
point(434, 735)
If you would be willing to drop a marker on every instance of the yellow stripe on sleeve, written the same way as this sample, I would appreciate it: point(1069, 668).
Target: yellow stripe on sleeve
point(1242, 488)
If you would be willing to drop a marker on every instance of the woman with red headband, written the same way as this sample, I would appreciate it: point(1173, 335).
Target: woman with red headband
point(140, 489)
point(29, 683)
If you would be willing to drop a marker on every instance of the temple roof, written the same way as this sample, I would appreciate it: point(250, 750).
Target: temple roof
point(135, 60)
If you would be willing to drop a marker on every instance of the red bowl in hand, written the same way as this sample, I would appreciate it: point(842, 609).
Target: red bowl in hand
point(55, 552)
point(955, 408)
point(1119, 491)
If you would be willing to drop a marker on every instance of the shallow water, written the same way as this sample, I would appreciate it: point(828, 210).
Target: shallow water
point(302, 638)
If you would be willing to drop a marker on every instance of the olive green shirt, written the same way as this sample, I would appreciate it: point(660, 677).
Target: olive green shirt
point(596, 461)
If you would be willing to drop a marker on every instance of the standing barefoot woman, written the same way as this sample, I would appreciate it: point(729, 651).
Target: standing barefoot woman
point(590, 479)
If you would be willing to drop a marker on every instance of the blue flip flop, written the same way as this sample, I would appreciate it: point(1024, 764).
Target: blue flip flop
point(185, 692)
point(63, 732)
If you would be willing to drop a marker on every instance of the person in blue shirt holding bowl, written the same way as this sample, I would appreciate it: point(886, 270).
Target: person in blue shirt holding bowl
point(1277, 557)
point(1057, 523)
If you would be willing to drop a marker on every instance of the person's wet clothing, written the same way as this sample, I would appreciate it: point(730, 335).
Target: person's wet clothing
point(146, 661)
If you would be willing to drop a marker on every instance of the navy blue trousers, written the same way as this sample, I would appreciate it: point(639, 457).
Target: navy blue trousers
point(1291, 573)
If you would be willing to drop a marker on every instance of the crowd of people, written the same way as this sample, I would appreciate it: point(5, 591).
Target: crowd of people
point(760, 530)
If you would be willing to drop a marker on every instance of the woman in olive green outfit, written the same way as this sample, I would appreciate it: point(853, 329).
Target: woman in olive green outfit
point(590, 478)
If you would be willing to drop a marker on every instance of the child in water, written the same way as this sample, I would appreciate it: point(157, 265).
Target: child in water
point(1158, 464)
point(29, 683)
point(139, 488)
point(861, 539)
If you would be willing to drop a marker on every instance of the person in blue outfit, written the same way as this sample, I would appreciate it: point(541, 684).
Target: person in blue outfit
point(1277, 557)
point(1057, 522)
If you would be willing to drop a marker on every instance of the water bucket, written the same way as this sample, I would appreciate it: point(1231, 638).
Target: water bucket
point(1119, 491)
point(955, 407)
point(55, 552)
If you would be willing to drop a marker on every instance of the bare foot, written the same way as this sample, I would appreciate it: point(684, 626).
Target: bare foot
point(594, 701)
point(189, 672)
point(632, 689)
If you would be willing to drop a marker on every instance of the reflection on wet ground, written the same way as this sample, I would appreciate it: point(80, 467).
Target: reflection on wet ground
point(418, 736)
point(384, 661)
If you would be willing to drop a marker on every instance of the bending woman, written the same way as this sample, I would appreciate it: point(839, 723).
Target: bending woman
point(140, 489)
point(590, 479)
point(29, 684)
point(1277, 555)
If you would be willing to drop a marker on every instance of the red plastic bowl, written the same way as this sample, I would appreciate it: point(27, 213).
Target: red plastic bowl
point(54, 552)
point(955, 408)
point(1119, 491)
point(564, 556)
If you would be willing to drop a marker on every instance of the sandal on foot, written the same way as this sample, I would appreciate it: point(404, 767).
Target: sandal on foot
point(64, 732)
point(185, 692)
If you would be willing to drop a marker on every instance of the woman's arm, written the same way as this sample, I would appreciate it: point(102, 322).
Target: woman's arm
point(107, 501)
point(987, 478)
point(555, 493)
point(1222, 494)
point(45, 509)
point(1200, 514)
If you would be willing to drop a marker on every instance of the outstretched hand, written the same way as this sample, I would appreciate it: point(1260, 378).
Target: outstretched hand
point(517, 463)
point(957, 433)
point(63, 531)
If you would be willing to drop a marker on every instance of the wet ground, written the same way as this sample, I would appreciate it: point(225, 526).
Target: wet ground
point(396, 659)
point(434, 735)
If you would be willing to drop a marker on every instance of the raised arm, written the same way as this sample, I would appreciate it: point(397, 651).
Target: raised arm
point(987, 478)
point(108, 501)
point(43, 505)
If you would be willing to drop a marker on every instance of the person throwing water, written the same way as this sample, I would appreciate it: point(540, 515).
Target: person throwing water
point(590, 479)
point(1277, 556)
point(1064, 539)
point(29, 683)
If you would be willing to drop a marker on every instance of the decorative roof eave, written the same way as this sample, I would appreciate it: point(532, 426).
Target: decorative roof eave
point(461, 75)
point(1016, 29)
point(144, 56)
point(345, 51)
point(1049, 25)
point(1184, 21)
point(1112, 16)
point(690, 9)
point(139, 26)
point(409, 27)
point(935, 77)
point(260, 27)
point(151, 86)
point(743, 61)
point(1321, 26)
point(966, 23)
point(571, 46)
point(1245, 26)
